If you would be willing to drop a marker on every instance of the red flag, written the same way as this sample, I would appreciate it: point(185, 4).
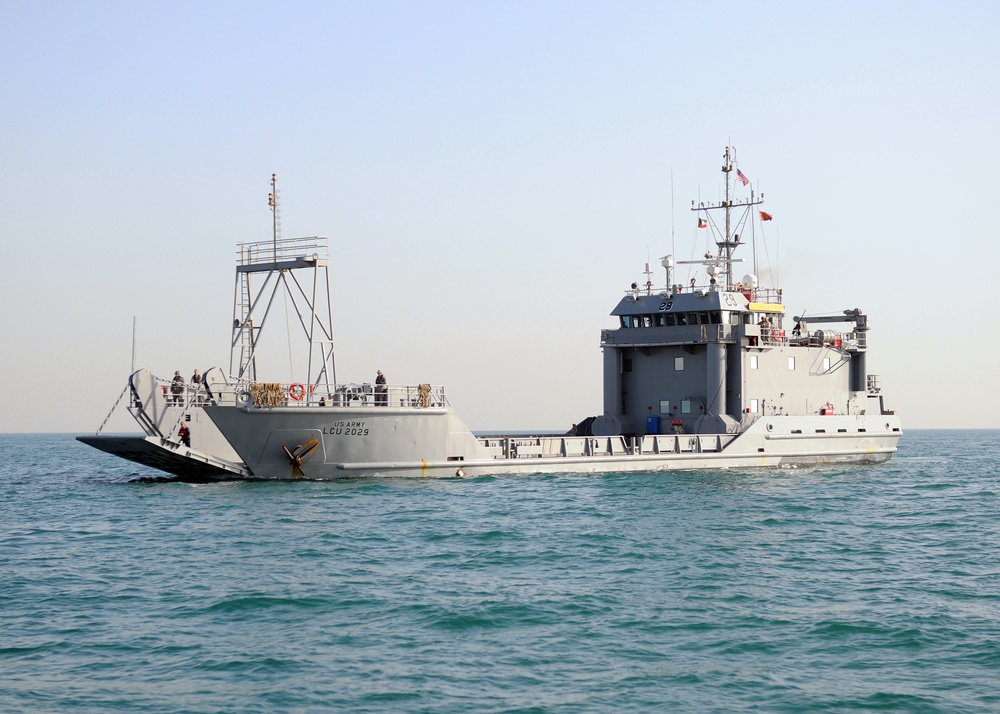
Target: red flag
point(765, 216)
point(702, 223)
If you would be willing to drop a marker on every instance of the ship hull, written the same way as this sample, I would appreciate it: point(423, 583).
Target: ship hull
point(365, 443)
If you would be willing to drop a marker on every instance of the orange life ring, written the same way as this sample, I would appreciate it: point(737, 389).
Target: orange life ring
point(297, 391)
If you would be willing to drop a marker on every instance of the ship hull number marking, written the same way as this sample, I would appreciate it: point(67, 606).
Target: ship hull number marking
point(728, 298)
point(346, 428)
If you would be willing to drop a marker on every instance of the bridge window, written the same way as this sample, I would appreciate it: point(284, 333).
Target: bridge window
point(647, 320)
point(716, 317)
point(678, 364)
point(682, 318)
point(685, 406)
point(664, 406)
point(671, 321)
point(703, 318)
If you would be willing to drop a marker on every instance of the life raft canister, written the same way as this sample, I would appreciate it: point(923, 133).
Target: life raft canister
point(297, 391)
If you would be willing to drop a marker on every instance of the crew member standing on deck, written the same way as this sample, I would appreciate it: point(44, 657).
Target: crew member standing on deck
point(177, 388)
point(185, 434)
point(196, 383)
point(765, 328)
point(381, 391)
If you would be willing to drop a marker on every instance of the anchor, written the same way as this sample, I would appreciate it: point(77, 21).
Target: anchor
point(298, 453)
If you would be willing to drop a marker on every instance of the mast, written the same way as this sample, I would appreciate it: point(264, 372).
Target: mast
point(287, 266)
point(729, 241)
point(272, 201)
point(727, 169)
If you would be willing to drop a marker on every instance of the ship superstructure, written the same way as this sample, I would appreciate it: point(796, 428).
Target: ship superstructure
point(715, 357)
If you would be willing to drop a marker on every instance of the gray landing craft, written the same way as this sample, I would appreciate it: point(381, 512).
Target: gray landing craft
point(701, 376)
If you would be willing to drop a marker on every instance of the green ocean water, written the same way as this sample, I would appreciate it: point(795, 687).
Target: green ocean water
point(801, 590)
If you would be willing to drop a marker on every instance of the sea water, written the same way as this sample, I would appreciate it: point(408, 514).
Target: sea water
point(872, 588)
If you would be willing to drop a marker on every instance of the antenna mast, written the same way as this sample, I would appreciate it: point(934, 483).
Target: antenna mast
point(272, 201)
point(279, 267)
point(730, 241)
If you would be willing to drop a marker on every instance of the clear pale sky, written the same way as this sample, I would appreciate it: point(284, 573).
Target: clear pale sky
point(492, 176)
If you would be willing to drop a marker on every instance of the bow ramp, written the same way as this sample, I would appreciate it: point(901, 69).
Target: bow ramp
point(174, 458)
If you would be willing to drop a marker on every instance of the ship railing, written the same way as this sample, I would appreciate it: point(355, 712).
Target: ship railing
point(569, 446)
point(284, 249)
point(770, 296)
point(827, 338)
point(297, 394)
point(678, 334)
point(178, 394)
point(779, 336)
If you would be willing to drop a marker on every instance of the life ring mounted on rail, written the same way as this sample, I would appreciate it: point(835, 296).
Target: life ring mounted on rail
point(297, 391)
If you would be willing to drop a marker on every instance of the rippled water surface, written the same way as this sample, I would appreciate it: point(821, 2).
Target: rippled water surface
point(837, 589)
